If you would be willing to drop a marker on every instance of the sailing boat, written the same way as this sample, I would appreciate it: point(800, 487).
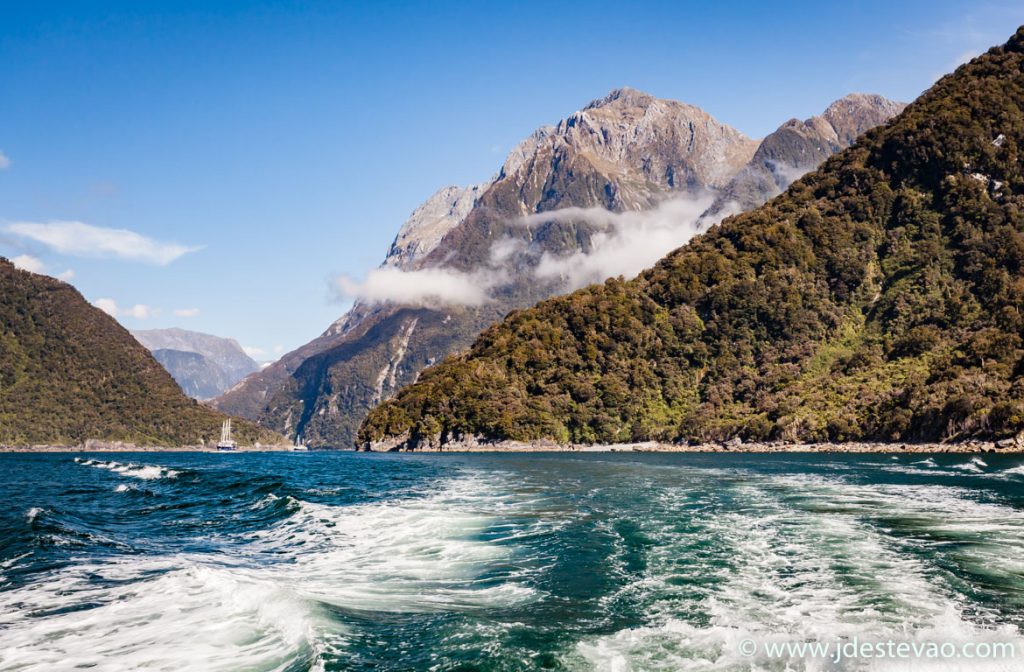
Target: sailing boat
point(299, 445)
point(226, 442)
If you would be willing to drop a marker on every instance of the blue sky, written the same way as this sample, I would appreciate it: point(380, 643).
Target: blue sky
point(257, 150)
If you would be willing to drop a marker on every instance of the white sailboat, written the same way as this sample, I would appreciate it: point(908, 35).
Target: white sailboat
point(299, 445)
point(226, 442)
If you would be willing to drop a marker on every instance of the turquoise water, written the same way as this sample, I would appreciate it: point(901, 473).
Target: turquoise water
point(503, 562)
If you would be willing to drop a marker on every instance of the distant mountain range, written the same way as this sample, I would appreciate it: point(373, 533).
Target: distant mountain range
point(69, 372)
point(878, 298)
point(606, 191)
point(203, 365)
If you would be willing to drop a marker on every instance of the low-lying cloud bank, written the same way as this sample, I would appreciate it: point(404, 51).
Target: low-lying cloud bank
point(626, 242)
point(79, 239)
point(622, 243)
point(428, 286)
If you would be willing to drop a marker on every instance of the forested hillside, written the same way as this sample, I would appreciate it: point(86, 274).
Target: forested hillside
point(878, 298)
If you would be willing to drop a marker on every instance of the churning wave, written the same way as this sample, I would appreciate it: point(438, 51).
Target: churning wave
point(145, 472)
point(266, 604)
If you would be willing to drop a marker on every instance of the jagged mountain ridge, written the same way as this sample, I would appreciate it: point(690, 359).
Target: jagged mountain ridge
point(798, 147)
point(878, 298)
point(69, 372)
point(627, 151)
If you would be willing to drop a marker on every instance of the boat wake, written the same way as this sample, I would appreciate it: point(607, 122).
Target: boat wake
point(815, 559)
point(271, 602)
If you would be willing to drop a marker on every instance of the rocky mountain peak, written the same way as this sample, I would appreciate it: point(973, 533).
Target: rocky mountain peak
point(799, 146)
point(223, 361)
point(633, 147)
point(855, 113)
point(429, 223)
point(522, 152)
point(623, 97)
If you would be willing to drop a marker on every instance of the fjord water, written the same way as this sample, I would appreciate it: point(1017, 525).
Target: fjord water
point(603, 561)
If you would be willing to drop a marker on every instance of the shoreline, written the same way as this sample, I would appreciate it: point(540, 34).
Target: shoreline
point(92, 446)
point(1007, 446)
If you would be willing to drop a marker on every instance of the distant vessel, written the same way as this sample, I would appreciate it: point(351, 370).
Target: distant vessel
point(226, 442)
point(299, 445)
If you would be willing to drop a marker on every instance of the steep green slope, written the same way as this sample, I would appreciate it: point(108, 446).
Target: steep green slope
point(69, 372)
point(878, 298)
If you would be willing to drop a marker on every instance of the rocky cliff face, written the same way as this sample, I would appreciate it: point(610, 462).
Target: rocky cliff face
point(430, 222)
point(561, 195)
point(223, 364)
point(798, 147)
point(197, 376)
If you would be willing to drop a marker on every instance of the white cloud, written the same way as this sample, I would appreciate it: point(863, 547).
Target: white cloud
point(186, 312)
point(27, 262)
point(503, 249)
point(253, 351)
point(626, 243)
point(428, 286)
point(262, 355)
point(5, 162)
point(108, 306)
point(139, 311)
point(787, 174)
point(85, 240)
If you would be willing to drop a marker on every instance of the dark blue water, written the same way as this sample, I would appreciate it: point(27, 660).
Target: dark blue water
point(501, 562)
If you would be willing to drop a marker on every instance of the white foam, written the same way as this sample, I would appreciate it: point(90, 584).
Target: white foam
point(417, 554)
point(145, 472)
point(154, 615)
point(265, 610)
point(800, 562)
point(32, 514)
